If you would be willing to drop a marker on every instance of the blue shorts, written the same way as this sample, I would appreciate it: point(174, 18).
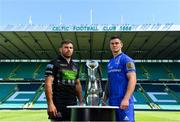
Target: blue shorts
point(126, 115)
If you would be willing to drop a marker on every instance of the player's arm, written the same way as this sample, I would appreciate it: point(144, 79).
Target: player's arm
point(49, 77)
point(48, 89)
point(99, 80)
point(79, 91)
point(52, 111)
point(106, 93)
point(130, 89)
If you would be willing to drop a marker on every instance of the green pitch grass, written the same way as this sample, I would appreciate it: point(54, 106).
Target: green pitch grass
point(41, 116)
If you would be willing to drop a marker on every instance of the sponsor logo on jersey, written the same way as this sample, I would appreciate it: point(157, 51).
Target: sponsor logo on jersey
point(69, 75)
point(114, 70)
point(63, 65)
point(48, 71)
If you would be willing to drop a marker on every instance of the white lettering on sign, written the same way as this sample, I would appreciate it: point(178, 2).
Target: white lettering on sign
point(16, 94)
point(153, 96)
point(42, 97)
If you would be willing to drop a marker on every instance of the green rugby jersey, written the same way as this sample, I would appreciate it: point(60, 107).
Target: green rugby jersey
point(65, 75)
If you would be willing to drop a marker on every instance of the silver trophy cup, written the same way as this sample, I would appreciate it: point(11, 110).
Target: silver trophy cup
point(93, 88)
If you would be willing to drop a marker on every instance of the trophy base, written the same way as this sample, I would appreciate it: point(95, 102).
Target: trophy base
point(93, 113)
point(93, 101)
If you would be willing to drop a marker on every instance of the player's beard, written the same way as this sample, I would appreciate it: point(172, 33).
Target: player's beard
point(67, 55)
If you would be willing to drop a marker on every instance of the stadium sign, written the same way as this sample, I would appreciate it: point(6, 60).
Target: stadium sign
point(92, 28)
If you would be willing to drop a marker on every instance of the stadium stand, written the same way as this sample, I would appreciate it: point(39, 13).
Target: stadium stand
point(161, 96)
point(6, 90)
point(140, 99)
point(145, 71)
point(156, 71)
point(22, 93)
point(174, 70)
point(6, 69)
point(142, 73)
point(82, 74)
point(39, 100)
point(22, 85)
point(103, 68)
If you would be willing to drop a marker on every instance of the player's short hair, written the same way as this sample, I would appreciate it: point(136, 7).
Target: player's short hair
point(67, 41)
point(115, 37)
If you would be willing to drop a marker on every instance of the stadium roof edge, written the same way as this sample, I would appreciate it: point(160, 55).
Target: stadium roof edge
point(92, 27)
point(161, 44)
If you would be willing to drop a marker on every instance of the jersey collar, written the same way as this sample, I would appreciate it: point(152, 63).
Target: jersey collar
point(60, 57)
point(118, 54)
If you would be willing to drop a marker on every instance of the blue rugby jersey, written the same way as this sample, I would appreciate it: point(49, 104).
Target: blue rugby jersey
point(118, 67)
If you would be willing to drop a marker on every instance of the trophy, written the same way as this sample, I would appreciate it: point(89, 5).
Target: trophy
point(93, 85)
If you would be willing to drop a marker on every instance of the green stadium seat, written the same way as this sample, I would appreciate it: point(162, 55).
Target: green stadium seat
point(156, 71)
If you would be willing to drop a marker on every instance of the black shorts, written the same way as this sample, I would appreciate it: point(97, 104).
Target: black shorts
point(65, 112)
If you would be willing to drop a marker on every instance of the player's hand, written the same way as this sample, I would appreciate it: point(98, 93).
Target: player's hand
point(124, 104)
point(52, 111)
point(81, 103)
point(103, 103)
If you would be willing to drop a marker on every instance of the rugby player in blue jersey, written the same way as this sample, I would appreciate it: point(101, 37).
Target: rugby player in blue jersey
point(121, 81)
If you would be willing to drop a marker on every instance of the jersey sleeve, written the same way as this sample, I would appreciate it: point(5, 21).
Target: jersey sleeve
point(129, 65)
point(50, 69)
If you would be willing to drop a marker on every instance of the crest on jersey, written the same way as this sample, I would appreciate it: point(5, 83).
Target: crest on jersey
point(130, 66)
point(50, 66)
